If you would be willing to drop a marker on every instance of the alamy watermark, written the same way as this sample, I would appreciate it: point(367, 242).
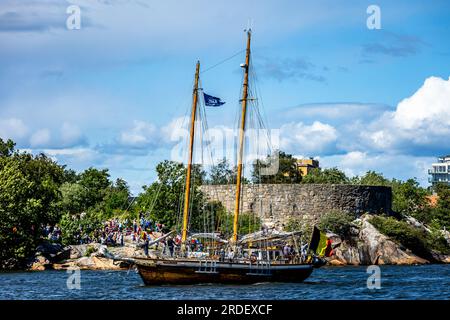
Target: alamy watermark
point(74, 278)
point(374, 280)
point(73, 21)
point(373, 22)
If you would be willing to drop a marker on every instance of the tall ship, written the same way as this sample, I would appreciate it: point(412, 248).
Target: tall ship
point(239, 260)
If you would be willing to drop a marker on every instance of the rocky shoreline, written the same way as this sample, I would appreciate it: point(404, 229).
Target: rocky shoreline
point(365, 246)
point(92, 256)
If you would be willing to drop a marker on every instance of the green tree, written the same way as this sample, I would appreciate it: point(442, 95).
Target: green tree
point(330, 176)
point(117, 198)
point(441, 213)
point(29, 193)
point(371, 178)
point(221, 173)
point(95, 183)
point(6, 147)
point(337, 221)
point(408, 198)
point(46, 176)
point(74, 226)
point(163, 200)
point(287, 171)
point(70, 175)
point(20, 215)
point(73, 197)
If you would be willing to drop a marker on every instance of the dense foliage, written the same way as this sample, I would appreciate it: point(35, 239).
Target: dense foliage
point(414, 239)
point(222, 173)
point(163, 200)
point(215, 218)
point(287, 170)
point(296, 224)
point(76, 225)
point(338, 222)
point(29, 193)
point(331, 176)
point(410, 199)
point(441, 213)
point(36, 192)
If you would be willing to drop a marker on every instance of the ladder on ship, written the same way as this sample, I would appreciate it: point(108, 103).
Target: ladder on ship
point(207, 266)
point(260, 268)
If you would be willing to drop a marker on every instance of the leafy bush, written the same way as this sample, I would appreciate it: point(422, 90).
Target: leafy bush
point(336, 221)
point(296, 224)
point(89, 251)
point(326, 176)
point(293, 224)
point(28, 196)
point(72, 226)
point(414, 239)
point(248, 223)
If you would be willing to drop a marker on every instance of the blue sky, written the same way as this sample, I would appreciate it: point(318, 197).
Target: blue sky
point(108, 95)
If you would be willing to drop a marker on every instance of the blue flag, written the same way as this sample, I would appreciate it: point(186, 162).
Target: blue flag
point(212, 101)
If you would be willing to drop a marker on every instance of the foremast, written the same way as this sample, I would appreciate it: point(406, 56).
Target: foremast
point(241, 139)
point(189, 164)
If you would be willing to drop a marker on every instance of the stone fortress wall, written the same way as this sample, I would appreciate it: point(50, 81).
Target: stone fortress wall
point(276, 204)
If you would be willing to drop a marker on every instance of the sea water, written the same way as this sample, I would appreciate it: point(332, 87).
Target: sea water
point(397, 282)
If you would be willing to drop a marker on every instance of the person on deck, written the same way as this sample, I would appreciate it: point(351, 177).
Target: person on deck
point(286, 250)
point(222, 255)
point(170, 244)
point(231, 256)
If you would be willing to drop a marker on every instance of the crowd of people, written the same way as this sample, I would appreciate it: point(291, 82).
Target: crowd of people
point(113, 232)
point(52, 233)
point(146, 233)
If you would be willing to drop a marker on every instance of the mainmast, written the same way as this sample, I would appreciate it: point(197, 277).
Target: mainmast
point(189, 164)
point(241, 139)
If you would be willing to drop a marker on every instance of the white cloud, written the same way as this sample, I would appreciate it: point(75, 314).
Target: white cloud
point(13, 128)
point(140, 135)
point(429, 107)
point(144, 137)
point(400, 166)
point(176, 128)
point(308, 139)
point(71, 135)
point(40, 138)
point(68, 135)
point(419, 125)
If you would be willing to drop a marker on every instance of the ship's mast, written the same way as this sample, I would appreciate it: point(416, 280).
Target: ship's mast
point(241, 138)
point(189, 165)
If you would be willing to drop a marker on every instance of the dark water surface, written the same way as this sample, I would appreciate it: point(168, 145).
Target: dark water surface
point(397, 282)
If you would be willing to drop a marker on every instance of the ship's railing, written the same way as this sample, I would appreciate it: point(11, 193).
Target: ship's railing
point(259, 268)
point(207, 266)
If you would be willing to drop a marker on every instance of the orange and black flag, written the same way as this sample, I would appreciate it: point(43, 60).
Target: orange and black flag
point(320, 244)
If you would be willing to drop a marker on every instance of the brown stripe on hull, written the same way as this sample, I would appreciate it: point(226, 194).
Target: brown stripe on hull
point(159, 273)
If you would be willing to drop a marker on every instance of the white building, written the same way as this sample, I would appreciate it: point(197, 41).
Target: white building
point(440, 172)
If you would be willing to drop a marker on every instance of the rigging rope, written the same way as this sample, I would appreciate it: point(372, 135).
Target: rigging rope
point(223, 61)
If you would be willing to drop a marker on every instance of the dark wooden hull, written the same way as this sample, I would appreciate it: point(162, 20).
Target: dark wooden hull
point(176, 272)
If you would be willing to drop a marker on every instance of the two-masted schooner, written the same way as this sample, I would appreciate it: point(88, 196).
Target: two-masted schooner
point(239, 270)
